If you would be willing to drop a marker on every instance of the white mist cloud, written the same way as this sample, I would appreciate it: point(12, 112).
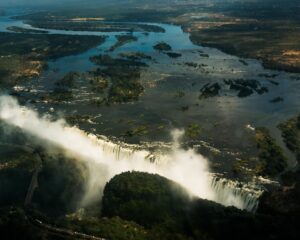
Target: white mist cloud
point(106, 159)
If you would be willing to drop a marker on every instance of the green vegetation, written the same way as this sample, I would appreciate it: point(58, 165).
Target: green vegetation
point(98, 80)
point(143, 198)
point(60, 180)
point(135, 206)
point(135, 56)
point(57, 96)
point(122, 40)
point(191, 64)
point(271, 158)
point(44, 46)
point(284, 199)
point(63, 89)
point(24, 30)
point(210, 90)
point(64, 22)
point(167, 211)
point(139, 205)
point(14, 224)
point(108, 61)
point(251, 38)
point(15, 175)
point(174, 54)
point(179, 94)
point(124, 76)
point(77, 119)
point(160, 205)
point(139, 130)
point(67, 81)
point(61, 185)
point(24, 56)
point(192, 131)
point(245, 87)
point(276, 100)
point(108, 228)
point(126, 86)
point(251, 30)
point(291, 135)
point(162, 46)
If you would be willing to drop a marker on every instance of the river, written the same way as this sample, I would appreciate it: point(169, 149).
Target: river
point(223, 119)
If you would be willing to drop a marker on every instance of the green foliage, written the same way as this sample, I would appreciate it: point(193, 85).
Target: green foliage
point(13, 184)
point(210, 90)
point(139, 130)
point(16, 168)
point(68, 80)
point(291, 135)
point(14, 224)
point(109, 228)
point(138, 190)
point(122, 40)
point(61, 185)
point(192, 131)
point(246, 87)
point(25, 55)
point(162, 46)
point(126, 86)
point(124, 75)
point(77, 119)
point(98, 80)
point(108, 61)
point(271, 158)
point(167, 210)
point(45, 46)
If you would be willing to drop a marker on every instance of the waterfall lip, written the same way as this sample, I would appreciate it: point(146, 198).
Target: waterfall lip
point(186, 167)
point(246, 193)
point(265, 181)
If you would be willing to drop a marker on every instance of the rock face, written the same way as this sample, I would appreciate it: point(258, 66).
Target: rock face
point(284, 199)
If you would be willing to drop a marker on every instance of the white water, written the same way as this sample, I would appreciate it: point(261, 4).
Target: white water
point(106, 159)
point(237, 194)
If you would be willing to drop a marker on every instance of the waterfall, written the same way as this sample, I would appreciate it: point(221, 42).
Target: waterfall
point(234, 193)
point(226, 192)
point(106, 158)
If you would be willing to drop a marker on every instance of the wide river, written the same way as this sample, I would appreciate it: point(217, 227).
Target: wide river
point(222, 119)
